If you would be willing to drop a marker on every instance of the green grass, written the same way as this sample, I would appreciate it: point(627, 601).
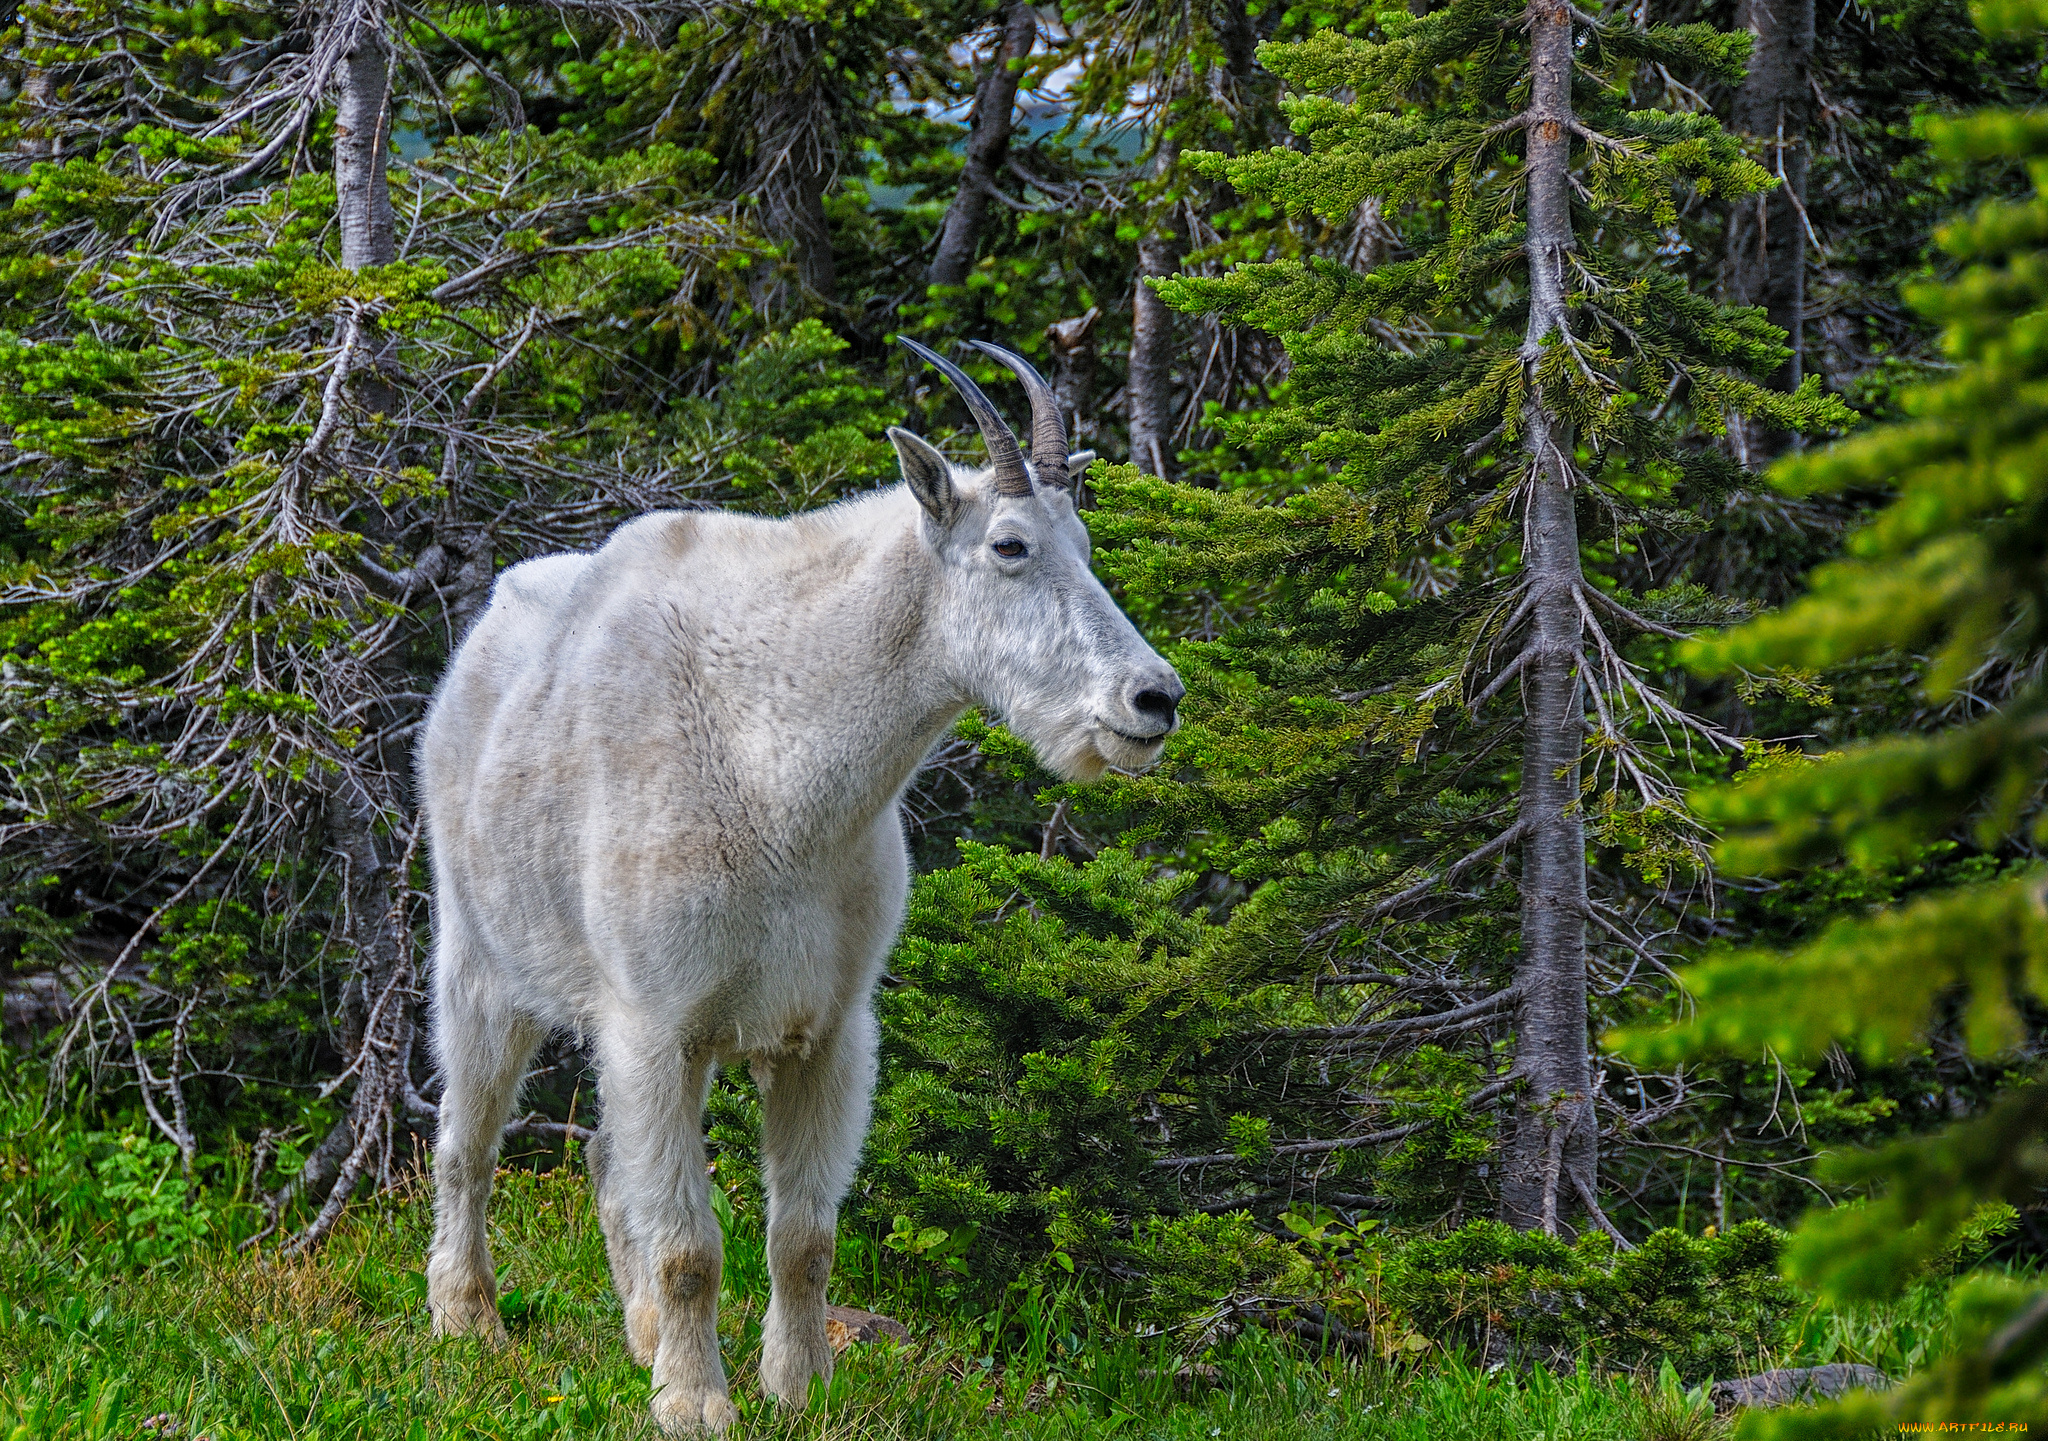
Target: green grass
point(336, 1346)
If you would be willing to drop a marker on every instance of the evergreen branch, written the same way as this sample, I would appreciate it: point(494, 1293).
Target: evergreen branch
point(1604, 142)
point(293, 130)
point(100, 993)
point(1298, 1148)
point(1388, 978)
point(1594, 913)
point(1622, 612)
point(538, 1127)
point(1791, 1169)
point(1532, 593)
point(1287, 1193)
point(492, 371)
point(315, 448)
point(1592, 1205)
point(1507, 673)
point(1481, 1099)
point(1422, 887)
point(1461, 1018)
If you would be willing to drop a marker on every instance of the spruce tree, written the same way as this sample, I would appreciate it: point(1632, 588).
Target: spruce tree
point(1528, 369)
point(1953, 568)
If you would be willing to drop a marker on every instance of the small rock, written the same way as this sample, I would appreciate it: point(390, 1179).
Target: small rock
point(844, 1325)
point(1793, 1385)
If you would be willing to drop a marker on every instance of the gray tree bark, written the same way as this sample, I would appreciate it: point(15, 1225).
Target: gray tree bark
point(988, 147)
point(1149, 394)
point(793, 213)
point(1767, 233)
point(362, 136)
point(1073, 373)
point(1240, 41)
point(1554, 1142)
point(39, 139)
point(379, 1005)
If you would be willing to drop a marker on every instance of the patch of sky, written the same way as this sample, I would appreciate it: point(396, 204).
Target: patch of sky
point(1041, 111)
point(411, 143)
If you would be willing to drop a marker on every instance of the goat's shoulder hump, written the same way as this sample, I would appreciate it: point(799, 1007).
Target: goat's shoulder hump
point(542, 583)
point(547, 584)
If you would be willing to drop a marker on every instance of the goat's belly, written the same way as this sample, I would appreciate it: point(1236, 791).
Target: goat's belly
point(760, 970)
point(748, 964)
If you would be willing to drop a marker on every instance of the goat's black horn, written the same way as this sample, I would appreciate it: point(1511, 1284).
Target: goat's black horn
point(1011, 477)
point(1048, 430)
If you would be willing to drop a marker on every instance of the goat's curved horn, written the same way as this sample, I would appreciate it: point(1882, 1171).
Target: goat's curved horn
point(1011, 477)
point(1048, 431)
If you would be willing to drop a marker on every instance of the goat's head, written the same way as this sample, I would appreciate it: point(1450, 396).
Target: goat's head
point(1029, 631)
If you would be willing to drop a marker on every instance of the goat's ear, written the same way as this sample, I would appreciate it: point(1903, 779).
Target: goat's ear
point(1077, 477)
point(926, 473)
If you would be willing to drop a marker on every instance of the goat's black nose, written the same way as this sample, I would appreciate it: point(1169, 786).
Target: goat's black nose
point(1159, 703)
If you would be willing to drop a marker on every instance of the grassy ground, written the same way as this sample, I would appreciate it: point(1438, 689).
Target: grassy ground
point(336, 1346)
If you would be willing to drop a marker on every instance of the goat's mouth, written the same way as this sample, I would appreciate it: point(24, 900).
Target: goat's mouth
point(1156, 738)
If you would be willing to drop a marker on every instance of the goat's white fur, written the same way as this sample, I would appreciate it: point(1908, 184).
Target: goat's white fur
point(661, 785)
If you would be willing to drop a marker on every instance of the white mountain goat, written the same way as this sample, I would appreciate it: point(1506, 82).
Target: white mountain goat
point(661, 787)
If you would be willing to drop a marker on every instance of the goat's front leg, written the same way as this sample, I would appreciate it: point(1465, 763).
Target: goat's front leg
point(814, 1115)
point(629, 1274)
point(660, 1221)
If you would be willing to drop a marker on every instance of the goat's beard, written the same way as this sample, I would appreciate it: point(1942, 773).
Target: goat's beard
point(1082, 762)
point(1081, 750)
point(1061, 737)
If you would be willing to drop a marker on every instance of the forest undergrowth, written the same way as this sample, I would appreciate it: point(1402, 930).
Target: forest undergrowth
point(130, 1308)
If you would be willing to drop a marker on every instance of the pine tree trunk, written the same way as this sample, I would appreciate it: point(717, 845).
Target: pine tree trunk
point(379, 1003)
point(362, 195)
point(38, 137)
point(1240, 41)
point(1766, 259)
point(1554, 1139)
point(988, 147)
point(794, 214)
point(1149, 398)
point(1073, 373)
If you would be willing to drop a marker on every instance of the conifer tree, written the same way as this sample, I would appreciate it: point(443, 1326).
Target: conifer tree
point(1954, 568)
point(1528, 368)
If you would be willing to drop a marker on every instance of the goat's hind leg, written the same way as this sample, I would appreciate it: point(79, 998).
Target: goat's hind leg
point(814, 1115)
point(483, 1047)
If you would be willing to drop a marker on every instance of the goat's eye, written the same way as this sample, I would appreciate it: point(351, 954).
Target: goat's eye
point(1011, 549)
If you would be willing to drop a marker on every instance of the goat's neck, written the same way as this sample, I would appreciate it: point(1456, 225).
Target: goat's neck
point(868, 685)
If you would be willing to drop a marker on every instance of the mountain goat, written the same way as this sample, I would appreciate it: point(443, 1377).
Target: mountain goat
point(661, 787)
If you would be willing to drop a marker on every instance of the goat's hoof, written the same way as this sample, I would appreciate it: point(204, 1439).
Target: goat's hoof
point(679, 1412)
point(467, 1311)
point(471, 1317)
point(786, 1371)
